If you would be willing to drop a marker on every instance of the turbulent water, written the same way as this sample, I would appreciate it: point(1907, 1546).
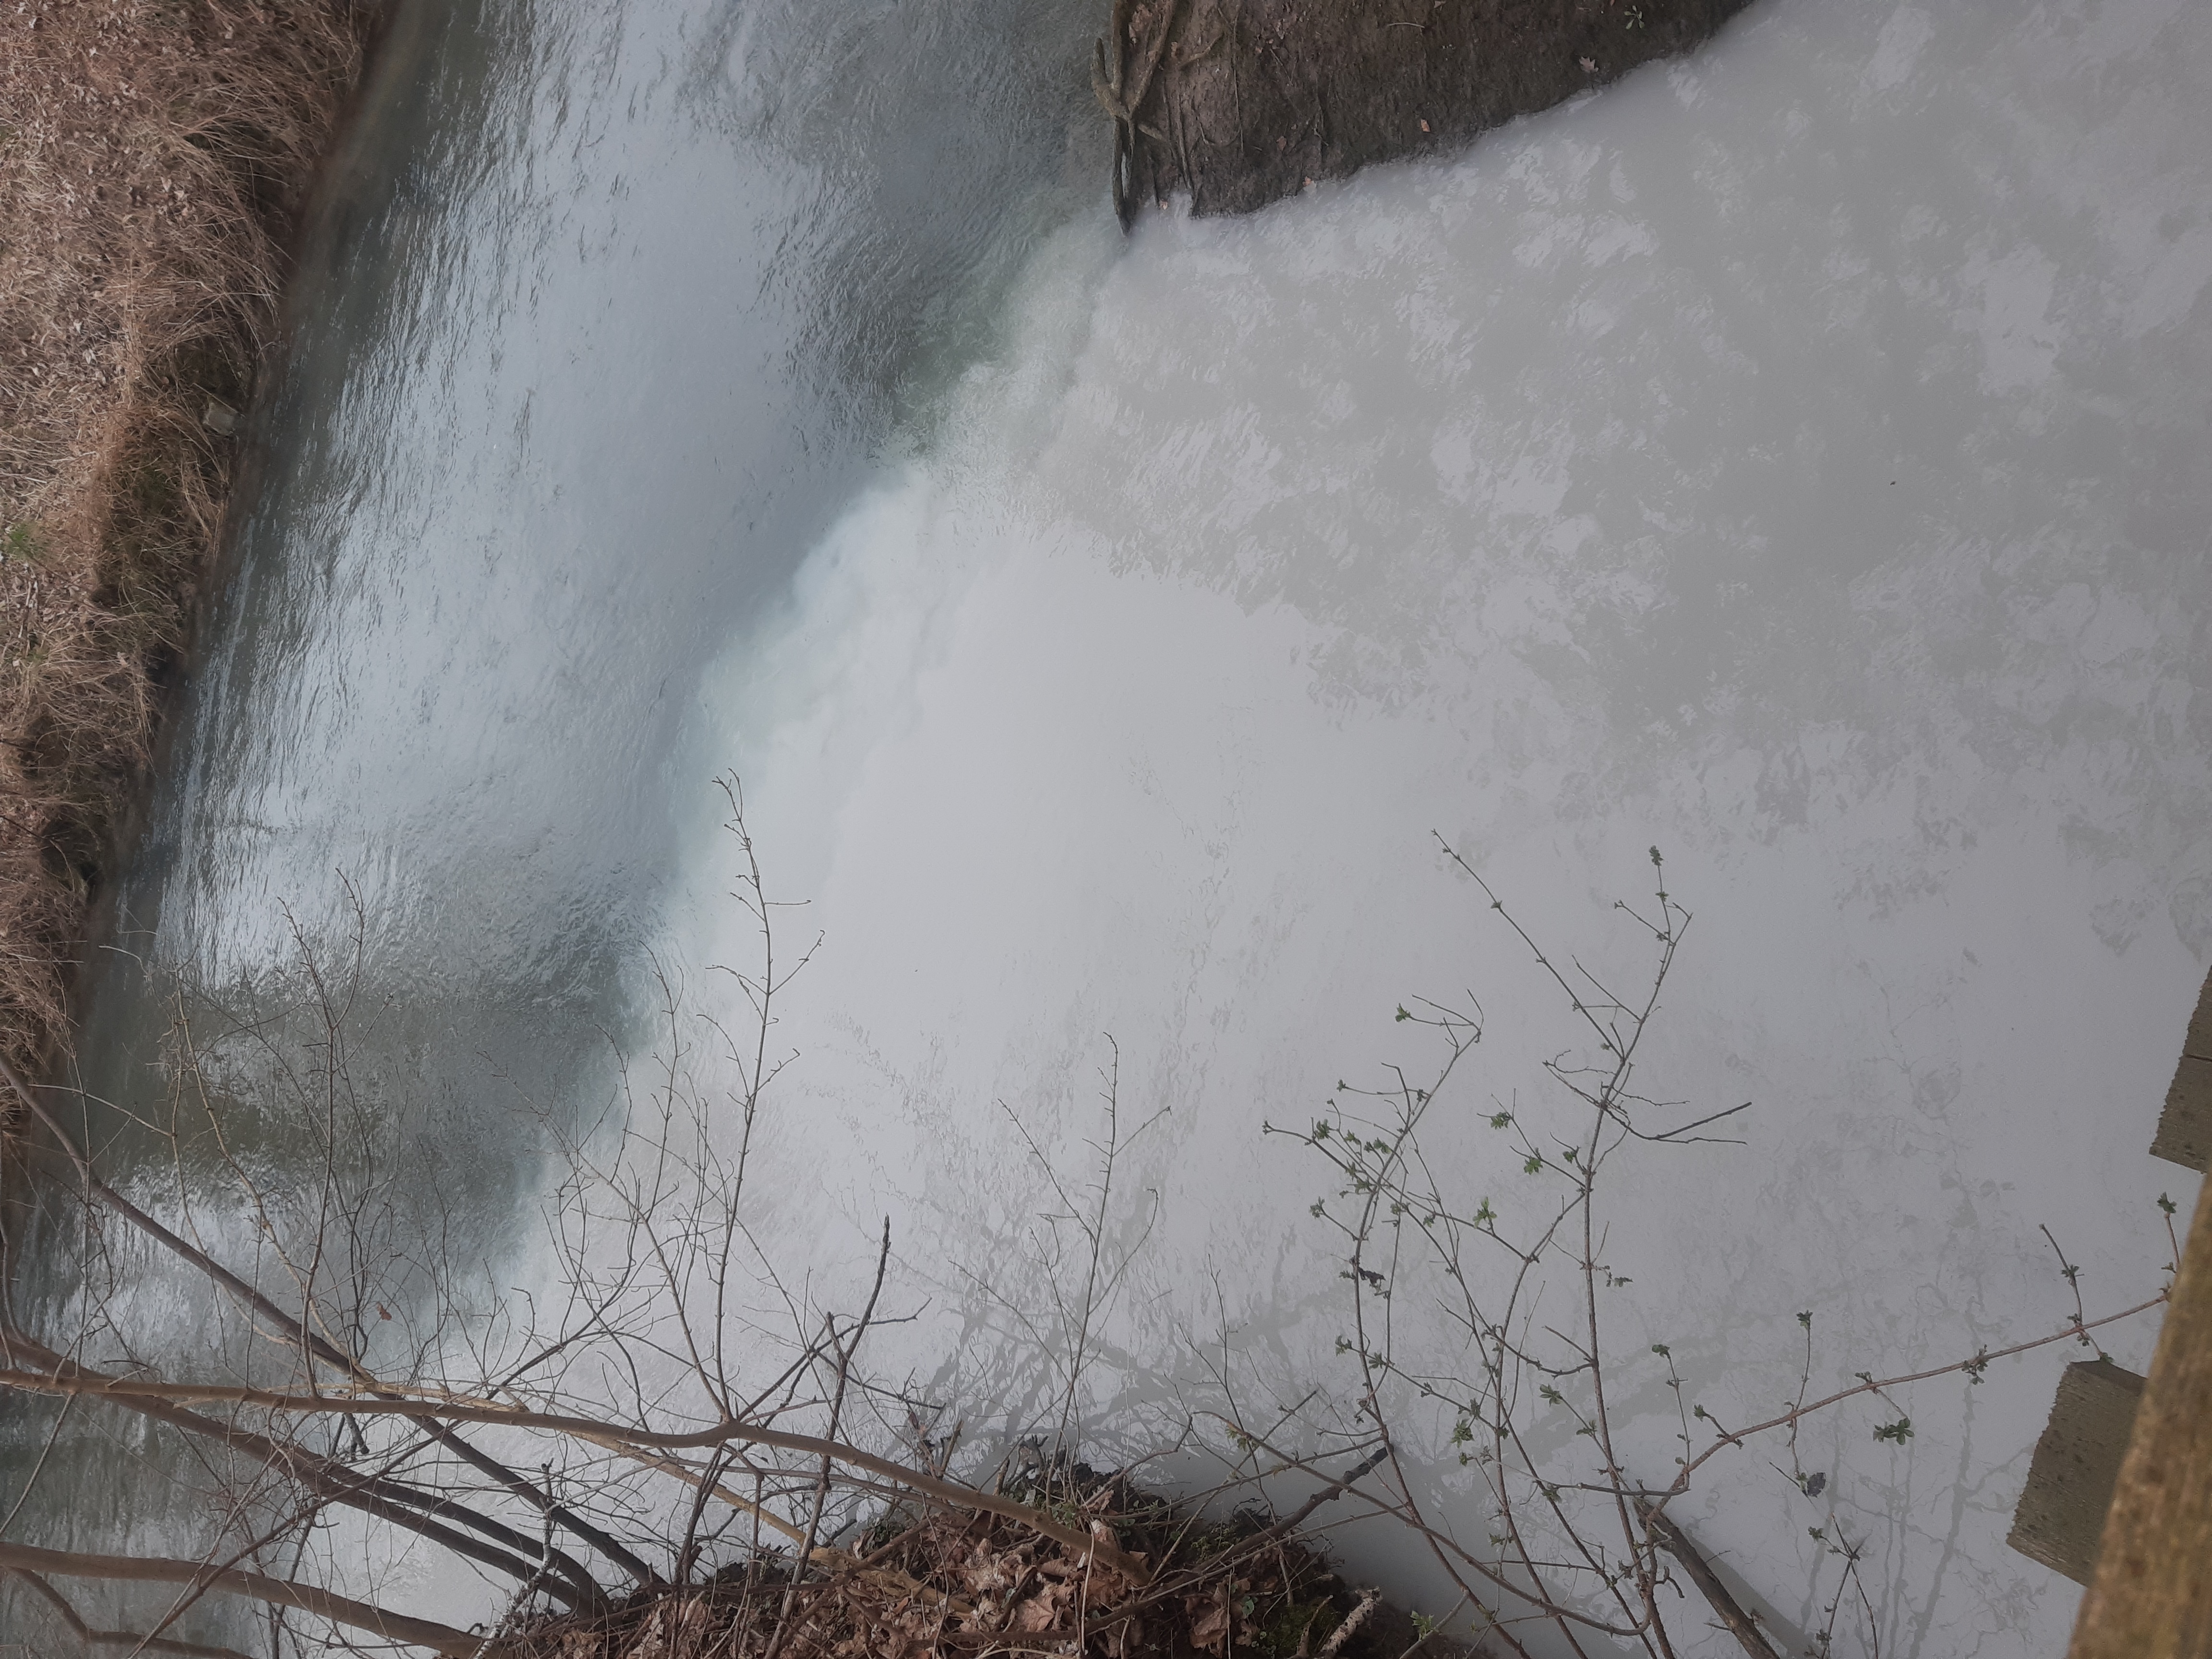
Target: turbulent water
point(1792, 459)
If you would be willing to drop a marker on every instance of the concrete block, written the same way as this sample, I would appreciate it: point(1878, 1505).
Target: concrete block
point(2061, 1516)
point(2185, 1127)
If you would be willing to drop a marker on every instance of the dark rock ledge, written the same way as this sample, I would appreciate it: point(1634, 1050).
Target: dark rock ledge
point(1236, 103)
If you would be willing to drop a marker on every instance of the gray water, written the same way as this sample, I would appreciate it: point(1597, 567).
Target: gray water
point(603, 316)
point(1792, 458)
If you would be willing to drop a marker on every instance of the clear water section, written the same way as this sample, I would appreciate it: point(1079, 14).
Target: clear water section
point(1792, 458)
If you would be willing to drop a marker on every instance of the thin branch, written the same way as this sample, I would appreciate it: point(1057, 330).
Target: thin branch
point(414, 1405)
point(284, 1592)
point(115, 1638)
point(1739, 1624)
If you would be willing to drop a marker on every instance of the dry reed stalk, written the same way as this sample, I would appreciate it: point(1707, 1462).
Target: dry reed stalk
point(153, 155)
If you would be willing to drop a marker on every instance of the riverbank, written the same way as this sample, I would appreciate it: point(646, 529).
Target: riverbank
point(953, 1582)
point(1238, 103)
point(153, 158)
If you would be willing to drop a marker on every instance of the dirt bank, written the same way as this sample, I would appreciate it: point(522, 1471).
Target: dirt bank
point(1238, 102)
point(951, 1584)
point(154, 154)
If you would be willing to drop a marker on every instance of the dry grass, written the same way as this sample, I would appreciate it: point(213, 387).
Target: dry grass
point(153, 158)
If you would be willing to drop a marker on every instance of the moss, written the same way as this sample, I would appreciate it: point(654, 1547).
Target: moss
point(24, 545)
point(1296, 1627)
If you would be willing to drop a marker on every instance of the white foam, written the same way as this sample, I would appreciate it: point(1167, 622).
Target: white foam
point(1792, 459)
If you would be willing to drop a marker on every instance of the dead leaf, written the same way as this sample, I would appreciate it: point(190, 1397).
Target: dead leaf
point(985, 1572)
point(1209, 1620)
point(671, 1631)
point(1036, 1614)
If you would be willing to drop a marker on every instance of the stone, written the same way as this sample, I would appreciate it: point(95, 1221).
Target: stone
point(2185, 1127)
point(2061, 1516)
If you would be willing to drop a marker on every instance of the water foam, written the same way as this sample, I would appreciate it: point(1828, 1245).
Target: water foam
point(1789, 458)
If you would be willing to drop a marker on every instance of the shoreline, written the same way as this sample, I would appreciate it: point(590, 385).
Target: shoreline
point(155, 165)
point(1239, 103)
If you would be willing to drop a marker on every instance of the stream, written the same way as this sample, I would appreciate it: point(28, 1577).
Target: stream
point(1791, 458)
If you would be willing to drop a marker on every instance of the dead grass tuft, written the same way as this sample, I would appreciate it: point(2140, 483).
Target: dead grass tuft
point(153, 157)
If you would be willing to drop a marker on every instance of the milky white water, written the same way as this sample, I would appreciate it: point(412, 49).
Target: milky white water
point(1792, 459)
point(1795, 460)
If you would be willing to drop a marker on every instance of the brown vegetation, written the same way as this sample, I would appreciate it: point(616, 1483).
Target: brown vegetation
point(948, 1585)
point(153, 157)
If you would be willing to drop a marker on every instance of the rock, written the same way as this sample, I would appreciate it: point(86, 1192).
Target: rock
point(1236, 103)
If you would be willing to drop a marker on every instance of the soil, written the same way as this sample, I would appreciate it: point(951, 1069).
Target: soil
point(1238, 103)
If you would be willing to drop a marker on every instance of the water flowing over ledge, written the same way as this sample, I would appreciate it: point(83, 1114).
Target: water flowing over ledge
point(1788, 459)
